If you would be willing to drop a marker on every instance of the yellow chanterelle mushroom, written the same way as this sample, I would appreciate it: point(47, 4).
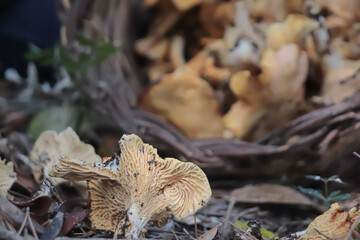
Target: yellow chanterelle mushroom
point(335, 223)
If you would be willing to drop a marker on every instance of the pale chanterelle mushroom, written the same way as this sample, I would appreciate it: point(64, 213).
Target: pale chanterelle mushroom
point(7, 176)
point(129, 190)
point(50, 145)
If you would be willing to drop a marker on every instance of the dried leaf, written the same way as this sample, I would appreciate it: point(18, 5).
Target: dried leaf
point(209, 235)
point(77, 215)
point(270, 193)
point(53, 229)
point(16, 215)
point(39, 204)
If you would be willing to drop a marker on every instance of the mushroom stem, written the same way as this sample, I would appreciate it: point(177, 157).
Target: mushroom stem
point(136, 222)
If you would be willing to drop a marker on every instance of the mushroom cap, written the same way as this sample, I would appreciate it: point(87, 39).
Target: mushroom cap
point(338, 69)
point(292, 30)
point(129, 190)
point(335, 223)
point(184, 5)
point(279, 86)
point(7, 176)
point(241, 118)
point(51, 145)
point(284, 72)
point(282, 79)
point(248, 87)
point(187, 101)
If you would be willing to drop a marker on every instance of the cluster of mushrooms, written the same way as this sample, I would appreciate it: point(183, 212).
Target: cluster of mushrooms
point(128, 190)
point(237, 62)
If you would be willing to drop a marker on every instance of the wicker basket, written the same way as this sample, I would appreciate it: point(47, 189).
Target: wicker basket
point(320, 142)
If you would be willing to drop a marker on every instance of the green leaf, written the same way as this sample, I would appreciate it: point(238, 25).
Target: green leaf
point(340, 197)
point(106, 50)
point(312, 192)
point(44, 57)
point(100, 41)
point(315, 177)
point(335, 178)
point(327, 203)
point(69, 64)
point(334, 193)
point(84, 40)
point(33, 48)
point(54, 118)
point(84, 58)
point(266, 234)
point(241, 224)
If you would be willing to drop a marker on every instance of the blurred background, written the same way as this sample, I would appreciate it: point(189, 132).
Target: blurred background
point(220, 83)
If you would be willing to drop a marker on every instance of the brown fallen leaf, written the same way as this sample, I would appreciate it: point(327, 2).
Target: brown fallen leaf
point(270, 193)
point(16, 216)
point(71, 219)
point(39, 203)
point(53, 228)
point(209, 235)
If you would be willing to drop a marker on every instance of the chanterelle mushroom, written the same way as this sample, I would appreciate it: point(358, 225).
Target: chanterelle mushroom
point(50, 145)
point(7, 176)
point(129, 190)
point(335, 223)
